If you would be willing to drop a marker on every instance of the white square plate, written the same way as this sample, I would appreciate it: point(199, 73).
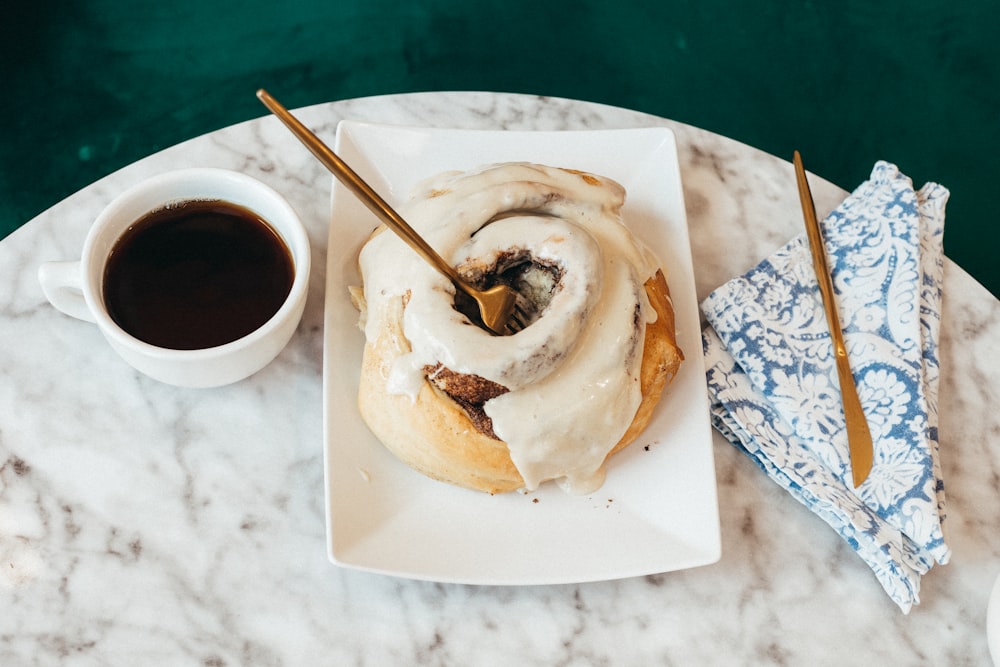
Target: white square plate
point(658, 509)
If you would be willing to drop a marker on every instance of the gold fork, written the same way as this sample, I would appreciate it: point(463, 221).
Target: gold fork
point(498, 306)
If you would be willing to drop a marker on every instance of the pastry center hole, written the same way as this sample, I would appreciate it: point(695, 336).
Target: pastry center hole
point(535, 284)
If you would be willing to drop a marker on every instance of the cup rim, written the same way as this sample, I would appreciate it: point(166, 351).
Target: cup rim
point(291, 231)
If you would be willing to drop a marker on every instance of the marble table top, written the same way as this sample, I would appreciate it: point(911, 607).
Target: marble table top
point(145, 524)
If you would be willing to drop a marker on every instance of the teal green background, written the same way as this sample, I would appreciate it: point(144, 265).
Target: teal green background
point(89, 87)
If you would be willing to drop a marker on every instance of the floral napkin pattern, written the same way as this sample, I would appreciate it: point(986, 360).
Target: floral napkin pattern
point(773, 385)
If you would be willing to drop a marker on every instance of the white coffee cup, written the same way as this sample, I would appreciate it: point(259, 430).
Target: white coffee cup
point(76, 288)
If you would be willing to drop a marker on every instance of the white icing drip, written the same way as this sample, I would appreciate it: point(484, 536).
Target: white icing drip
point(574, 373)
point(565, 425)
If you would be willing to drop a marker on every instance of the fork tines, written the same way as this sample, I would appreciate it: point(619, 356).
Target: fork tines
point(517, 321)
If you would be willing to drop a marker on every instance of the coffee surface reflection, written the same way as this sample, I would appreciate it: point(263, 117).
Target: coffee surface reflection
point(195, 275)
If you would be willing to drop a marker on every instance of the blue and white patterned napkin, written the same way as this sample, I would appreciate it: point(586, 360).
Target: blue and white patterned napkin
point(773, 383)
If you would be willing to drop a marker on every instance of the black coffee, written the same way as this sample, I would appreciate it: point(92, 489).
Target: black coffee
point(197, 274)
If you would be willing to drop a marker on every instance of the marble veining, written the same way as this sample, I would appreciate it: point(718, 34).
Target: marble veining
point(145, 524)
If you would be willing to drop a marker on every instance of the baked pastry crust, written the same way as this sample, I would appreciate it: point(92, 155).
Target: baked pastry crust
point(436, 436)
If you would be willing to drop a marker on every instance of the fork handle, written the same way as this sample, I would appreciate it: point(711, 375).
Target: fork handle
point(357, 185)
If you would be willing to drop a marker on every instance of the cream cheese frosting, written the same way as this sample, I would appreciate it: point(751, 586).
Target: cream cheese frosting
point(573, 374)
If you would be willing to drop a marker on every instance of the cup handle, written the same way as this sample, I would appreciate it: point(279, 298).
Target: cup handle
point(61, 283)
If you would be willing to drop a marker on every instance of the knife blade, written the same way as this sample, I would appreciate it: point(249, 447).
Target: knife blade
point(859, 437)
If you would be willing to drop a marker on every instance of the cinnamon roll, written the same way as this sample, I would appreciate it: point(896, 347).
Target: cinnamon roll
point(551, 402)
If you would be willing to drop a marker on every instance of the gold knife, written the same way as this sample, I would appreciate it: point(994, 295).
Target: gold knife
point(859, 438)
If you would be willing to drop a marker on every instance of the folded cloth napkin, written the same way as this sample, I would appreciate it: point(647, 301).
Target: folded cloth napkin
point(773, 383)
